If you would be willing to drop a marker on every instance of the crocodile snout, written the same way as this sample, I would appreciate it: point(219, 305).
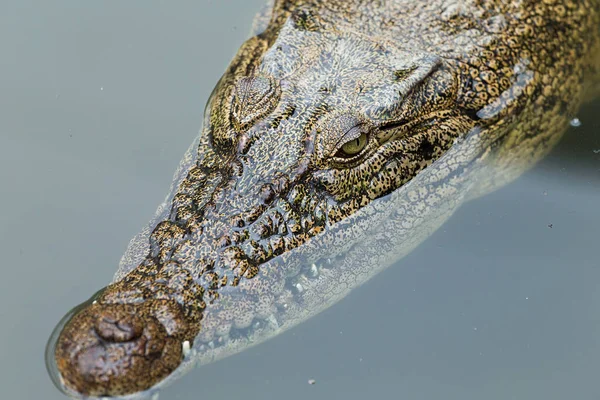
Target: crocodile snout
point(116, 349)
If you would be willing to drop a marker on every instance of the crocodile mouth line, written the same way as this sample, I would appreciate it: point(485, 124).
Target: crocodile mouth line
point(296, 284)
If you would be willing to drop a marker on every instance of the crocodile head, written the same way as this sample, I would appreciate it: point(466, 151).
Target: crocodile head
point(306, 129)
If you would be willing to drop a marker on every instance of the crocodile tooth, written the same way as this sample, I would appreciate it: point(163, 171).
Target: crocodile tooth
point(314, 270)
point(299, 287)
point(211, 344)
point(271, 320)
point(154, 396)
point(303, 279)
point(185, 348)
point(222, 339)
point(256, 325)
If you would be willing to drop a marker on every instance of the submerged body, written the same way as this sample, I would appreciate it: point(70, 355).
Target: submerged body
point(342, 134)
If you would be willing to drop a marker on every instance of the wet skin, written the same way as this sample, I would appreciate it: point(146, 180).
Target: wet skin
point(342, 134)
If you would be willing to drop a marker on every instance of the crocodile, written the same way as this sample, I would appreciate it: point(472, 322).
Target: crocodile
point(341, 135)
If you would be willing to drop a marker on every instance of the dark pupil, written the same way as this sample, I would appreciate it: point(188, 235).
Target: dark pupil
point(353, 147)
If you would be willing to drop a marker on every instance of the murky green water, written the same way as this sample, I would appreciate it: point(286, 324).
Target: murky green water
point(99, 101)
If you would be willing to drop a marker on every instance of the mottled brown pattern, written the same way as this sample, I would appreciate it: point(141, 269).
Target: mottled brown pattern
point(340, 136)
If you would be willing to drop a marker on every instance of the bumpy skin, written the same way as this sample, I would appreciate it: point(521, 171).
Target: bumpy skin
point(341, 136)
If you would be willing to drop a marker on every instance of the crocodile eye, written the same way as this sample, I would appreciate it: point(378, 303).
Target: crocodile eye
point(354, 146)
point(352, 143)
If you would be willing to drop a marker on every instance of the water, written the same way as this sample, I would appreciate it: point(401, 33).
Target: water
point(100, 100)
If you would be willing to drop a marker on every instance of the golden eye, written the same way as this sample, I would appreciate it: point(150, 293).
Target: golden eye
point(353, 147)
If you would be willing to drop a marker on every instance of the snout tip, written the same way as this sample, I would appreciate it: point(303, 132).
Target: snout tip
point(111, 350)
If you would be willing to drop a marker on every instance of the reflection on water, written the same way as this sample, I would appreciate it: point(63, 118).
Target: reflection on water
point(500, 303)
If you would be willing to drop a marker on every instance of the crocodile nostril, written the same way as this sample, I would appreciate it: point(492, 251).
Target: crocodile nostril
point(121, 329)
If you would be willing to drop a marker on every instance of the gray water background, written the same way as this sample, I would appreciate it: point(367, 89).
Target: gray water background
point(98, 102)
